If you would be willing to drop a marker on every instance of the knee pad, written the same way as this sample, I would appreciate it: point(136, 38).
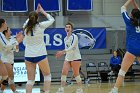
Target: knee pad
point(31, 82)
point(78, 78)
point(63, 78)
point(121, 73)
point(5, 82)
point(4, 77)
point(47, 78)
point(11, 81)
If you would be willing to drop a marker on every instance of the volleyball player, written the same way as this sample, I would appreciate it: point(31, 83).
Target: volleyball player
point(6, 46)
point(35, 48)
point(72, 58)
point(3, 71)
point(132, 23)
point(7, 58)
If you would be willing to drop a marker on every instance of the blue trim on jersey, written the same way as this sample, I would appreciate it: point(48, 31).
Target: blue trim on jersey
point(2, 39)
point(126, 18)
point(35, 59)
point(72, 39)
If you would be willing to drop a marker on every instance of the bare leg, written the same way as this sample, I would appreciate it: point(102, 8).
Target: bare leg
point(66, 67)
point(45, 68)
point(31, 67)
point(126, 63)
point(9, 68)
point(3, 73)
point(3, 70)
point(76, 66)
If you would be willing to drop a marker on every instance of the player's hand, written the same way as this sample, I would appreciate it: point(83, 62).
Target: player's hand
point(19, 37)
point(59, 54)
point(40, 9)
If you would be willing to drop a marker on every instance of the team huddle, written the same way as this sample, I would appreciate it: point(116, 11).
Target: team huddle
point(36, 53)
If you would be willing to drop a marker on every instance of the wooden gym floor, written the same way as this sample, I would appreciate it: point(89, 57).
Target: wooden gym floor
point(128, 87)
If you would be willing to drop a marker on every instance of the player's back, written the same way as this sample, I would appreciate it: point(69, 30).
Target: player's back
point(35, 45)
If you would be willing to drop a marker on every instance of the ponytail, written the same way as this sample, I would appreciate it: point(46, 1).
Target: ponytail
point(135, 22)
point(33, 17)
point(136, 17)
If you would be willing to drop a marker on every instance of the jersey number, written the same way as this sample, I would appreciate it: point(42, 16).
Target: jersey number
point(138, 29)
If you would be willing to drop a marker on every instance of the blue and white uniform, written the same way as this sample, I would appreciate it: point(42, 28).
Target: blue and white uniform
point(71, 48)
point(35, 47)
point(132, 34)
point(6, 45)
point(8, 56)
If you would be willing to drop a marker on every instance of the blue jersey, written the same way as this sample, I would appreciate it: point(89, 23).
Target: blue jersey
point(115, 60)
point(132, 34)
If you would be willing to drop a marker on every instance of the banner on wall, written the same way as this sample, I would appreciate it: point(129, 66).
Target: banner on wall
point(89, 38)
point(48, 5)
point(20, 72)
point(14, 5)
point(79, 5)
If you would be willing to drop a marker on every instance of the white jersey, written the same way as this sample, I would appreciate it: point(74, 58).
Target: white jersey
point(8, 56)
point(6, 45)
point(34, 44)
point(71, 48)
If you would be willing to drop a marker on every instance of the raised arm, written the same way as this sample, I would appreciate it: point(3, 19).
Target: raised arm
point(127, 3)
point(134, 4)
point(43, 24)
point(48, 16)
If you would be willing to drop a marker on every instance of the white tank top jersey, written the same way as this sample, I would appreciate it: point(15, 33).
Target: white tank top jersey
point(34, 44)
point(71, 48)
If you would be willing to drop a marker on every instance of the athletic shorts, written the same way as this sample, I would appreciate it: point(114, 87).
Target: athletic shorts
point(35, 59)
point(133, 47)
point(135, 52)
point(75, 60)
